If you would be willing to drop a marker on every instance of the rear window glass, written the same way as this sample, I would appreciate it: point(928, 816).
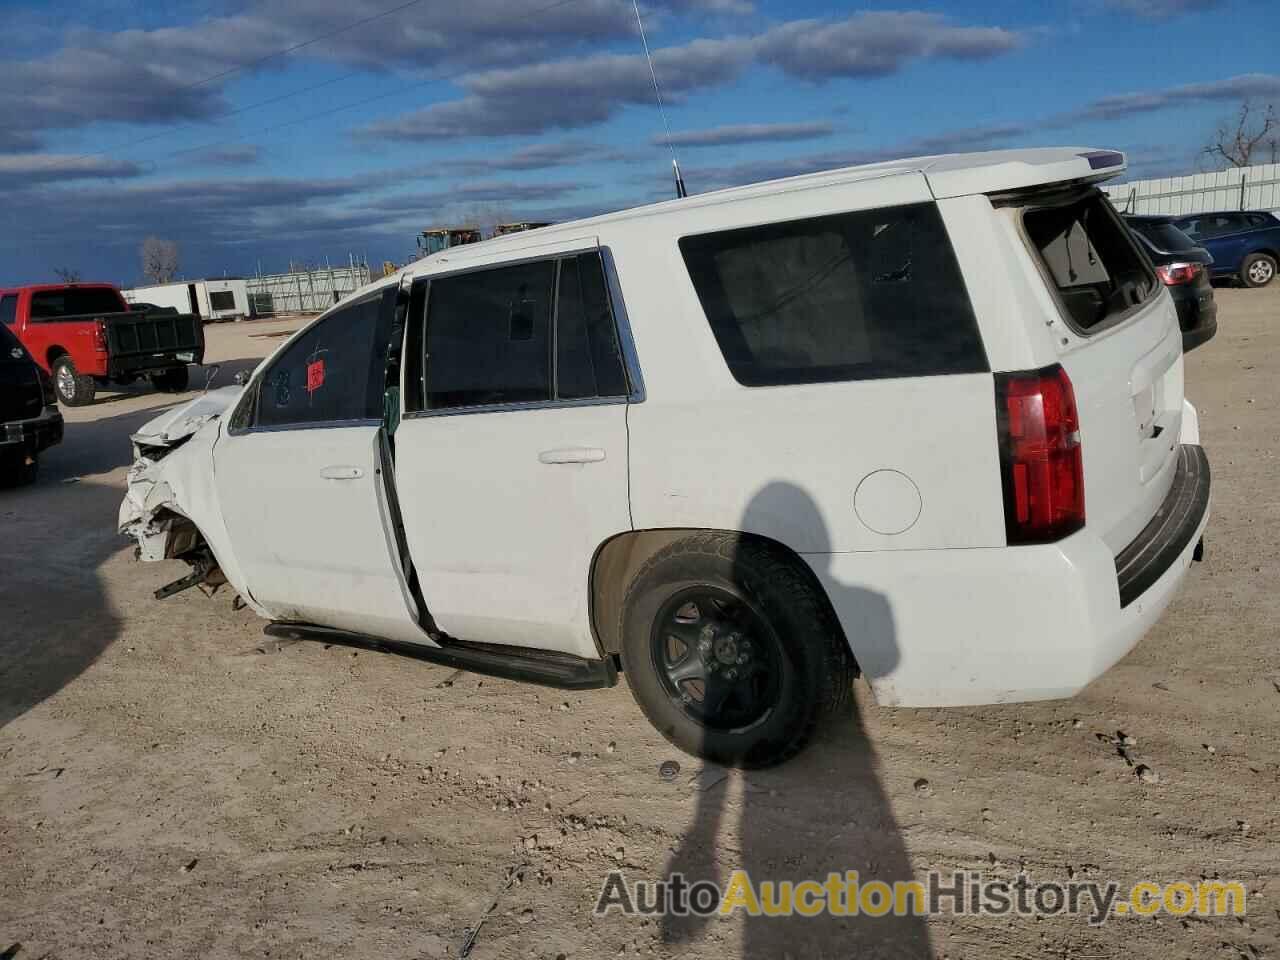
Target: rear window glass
point(1165, 237)
point(854, 296)
point(1095, 266)
point(51, 304)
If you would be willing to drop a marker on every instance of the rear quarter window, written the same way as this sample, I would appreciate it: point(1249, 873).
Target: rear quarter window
point(852, 296)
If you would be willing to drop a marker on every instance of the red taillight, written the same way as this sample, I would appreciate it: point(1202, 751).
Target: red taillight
point(100, 336)
point(1173, 274)
point(1043, 473)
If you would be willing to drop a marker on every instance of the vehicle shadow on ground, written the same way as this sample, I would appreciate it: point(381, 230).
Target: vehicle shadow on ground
point(838, 775)
point(208, 376)
point(57, 619)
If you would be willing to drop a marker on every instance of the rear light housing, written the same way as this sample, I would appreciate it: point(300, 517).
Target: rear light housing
point(1176, 274)
point(1041, 467)
point(100, 336)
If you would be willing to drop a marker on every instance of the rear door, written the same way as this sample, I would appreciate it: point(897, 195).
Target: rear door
point(511, 458)
point(299, 472)
point(1220, 233)
point(1123, 353)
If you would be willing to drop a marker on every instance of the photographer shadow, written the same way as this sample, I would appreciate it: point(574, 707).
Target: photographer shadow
point(820, 813)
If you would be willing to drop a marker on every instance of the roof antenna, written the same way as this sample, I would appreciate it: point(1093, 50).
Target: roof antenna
point(657, 92)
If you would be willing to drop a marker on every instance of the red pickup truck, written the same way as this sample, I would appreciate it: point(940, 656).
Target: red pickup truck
point(84, 335)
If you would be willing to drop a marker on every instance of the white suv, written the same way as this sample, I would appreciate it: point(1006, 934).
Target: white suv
point(920, 420)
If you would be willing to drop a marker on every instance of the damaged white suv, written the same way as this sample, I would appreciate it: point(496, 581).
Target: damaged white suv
point(921, 420)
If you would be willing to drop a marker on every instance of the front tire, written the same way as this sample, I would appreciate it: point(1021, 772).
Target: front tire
point(1258, 270)
point(732, 651)
point(174, 380)
point(74, 389)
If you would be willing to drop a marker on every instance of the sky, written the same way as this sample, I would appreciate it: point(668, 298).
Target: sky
point(256, 133)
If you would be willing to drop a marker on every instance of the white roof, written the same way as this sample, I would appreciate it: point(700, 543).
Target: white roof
point(948, 175)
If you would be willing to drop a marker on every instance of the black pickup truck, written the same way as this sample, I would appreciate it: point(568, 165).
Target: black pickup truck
point(84, 334)
point(29, 417)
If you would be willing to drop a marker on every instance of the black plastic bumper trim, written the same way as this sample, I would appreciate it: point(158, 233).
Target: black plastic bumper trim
point(1173, 527)
point(550, 668)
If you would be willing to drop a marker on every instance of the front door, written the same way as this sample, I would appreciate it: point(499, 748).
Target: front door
point(511, 458)
point(301, 481)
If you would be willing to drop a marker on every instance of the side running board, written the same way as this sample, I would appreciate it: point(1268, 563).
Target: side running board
point(549, 668)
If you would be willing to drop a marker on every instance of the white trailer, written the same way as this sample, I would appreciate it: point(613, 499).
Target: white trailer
point(208, 299)
point(224, 299)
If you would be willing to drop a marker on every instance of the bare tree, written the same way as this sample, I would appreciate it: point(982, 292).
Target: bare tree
point(159, 259)
point(67, 274)
point(1243, 139)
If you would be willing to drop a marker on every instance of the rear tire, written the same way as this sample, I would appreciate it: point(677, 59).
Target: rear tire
point(1257, 270)
point(74, 389)
point(174, 380)
point(765, 660)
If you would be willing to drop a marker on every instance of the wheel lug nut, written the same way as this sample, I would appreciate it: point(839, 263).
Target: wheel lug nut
point(732, 674)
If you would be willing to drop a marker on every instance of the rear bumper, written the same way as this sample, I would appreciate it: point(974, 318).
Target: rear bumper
point(1197, 317)
point(1007, 624)
point(1177, 523)
point(33, 435)
point(148, 363)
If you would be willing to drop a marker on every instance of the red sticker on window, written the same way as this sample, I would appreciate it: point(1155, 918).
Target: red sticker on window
point(315, 375)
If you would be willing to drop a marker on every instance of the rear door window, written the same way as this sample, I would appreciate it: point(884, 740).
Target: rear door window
point(1220, 224)
point(525, 333)
point(853, 296)
point(489, 337)
point(1093, 263)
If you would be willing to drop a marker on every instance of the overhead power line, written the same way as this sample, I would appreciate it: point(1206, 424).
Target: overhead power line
point(68, 159)
point(293, 48)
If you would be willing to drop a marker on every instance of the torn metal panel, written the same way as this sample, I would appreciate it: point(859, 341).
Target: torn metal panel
point(174, 426)
point(171, 505)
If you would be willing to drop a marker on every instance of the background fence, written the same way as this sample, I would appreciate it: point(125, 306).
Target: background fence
point(309, 290)
point(1241, 188)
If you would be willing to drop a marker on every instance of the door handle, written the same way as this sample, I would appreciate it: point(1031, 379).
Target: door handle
point(341, 473)
point(572, 455)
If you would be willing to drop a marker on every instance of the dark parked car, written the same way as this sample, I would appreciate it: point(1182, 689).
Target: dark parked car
point(29, 417)
point(1184, 268)
point(138, 306)
point(1245, 245)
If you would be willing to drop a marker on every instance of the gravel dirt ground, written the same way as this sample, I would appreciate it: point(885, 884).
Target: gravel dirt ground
point(175, 784)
